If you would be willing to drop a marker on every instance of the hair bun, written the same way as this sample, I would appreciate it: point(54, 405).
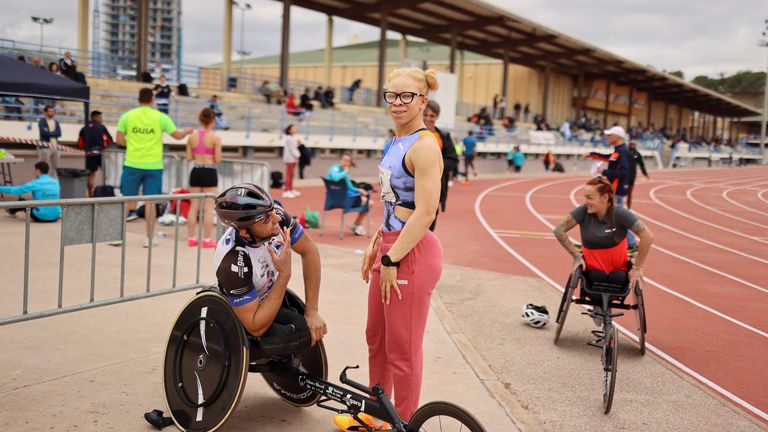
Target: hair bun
point(432, 83)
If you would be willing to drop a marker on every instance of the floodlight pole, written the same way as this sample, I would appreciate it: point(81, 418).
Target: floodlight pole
point(243, 7)
point(765, 108)
point(43, 22)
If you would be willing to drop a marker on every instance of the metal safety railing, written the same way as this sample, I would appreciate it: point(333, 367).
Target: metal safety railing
point(100, 220)
point(176, 171)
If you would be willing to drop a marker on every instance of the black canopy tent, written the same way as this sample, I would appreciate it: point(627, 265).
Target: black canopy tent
point(18, 78)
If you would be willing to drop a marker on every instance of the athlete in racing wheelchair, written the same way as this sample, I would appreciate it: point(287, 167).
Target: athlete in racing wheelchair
point(251, 322)
point(602, 272)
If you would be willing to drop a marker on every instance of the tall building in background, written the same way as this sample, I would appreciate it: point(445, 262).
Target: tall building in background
point(119, 37)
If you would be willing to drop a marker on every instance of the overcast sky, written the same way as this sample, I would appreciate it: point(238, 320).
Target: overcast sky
point(697, 36)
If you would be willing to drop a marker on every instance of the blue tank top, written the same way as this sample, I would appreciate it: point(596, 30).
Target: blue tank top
point(397, 184)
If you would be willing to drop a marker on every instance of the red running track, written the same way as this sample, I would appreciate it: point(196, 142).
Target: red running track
point(706, 293)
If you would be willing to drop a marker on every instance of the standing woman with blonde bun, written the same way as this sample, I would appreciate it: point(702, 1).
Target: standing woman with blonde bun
point(404, 260)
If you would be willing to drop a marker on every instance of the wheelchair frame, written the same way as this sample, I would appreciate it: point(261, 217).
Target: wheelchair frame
point(607, 339)
point(288, 368)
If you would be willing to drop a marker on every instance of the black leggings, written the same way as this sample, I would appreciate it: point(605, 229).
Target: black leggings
point(616, 277)
point(286, 322)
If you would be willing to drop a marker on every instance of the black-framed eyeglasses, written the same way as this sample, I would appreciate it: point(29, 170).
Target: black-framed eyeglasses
point(405, 97)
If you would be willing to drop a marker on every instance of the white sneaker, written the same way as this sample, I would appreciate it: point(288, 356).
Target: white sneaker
point(450, 183)
point(296, 193)
point(155, 242)
point(359, 230)
point(116, 243)
point(289, 194)
point(352, 227)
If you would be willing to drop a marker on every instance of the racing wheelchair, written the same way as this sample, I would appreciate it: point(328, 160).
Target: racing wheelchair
point(606, 297)
point(209, 355)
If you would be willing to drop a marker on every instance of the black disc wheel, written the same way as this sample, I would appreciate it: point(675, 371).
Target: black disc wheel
point(205, 364)
point(565, 302)
point(443, 417)
point(312, 361)
point(641, 325)
point(610, 362)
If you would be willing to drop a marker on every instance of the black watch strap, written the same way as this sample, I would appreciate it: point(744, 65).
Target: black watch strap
point(386, 261)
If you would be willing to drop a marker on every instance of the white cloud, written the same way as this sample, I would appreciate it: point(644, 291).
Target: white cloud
point(696, 36)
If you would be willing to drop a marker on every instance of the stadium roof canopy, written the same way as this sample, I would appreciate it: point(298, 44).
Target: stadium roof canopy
point(478, 27)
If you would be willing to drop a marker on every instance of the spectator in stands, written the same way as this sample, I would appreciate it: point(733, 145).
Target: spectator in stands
point(53, 68)
point(495, 105)
point(502, 107)
point(320, 97)
point(469, 154)
point(291, 107)
point(447, 149)
point(140, 130)
point(526, 112)
point(50, 132)
point(636, 160)
point(353, 88)
point(290, 157)
point(565, 130)
point(509, 123)
point(221, 121)
point(163, 95)
point(43, 187)
point(36, 62)
point(204, 149)
point(94, 138)
point(517, 109)
point(306, 101)
point(329, 95)
point(359, 196)
point(548, 159)
point(68, 68)
point(271, 91)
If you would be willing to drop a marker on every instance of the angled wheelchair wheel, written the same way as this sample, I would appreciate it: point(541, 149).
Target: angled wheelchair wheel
point(641, 325)
point(565, 303)
point(206, 363)
point(311, 360)
point(610, 363)
point(443, 416)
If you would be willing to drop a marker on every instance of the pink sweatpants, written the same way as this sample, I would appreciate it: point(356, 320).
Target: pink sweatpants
point(395, 332)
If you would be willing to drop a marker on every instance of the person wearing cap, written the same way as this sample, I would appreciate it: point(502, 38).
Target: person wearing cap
point(636, 160)
point(618, 170)
point(359, 196)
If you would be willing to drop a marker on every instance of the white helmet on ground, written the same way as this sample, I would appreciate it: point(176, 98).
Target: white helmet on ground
point(535, 316)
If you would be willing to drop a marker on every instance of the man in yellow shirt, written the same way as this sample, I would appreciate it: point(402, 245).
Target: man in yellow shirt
point(141, 131)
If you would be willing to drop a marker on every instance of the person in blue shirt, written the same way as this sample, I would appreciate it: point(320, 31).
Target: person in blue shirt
point(43, 187)
point(469, 154)
point(359, 196)
point(519, 159)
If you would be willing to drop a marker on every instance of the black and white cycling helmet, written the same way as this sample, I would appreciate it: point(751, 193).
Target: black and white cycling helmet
point(535, 316)
point(244, 204)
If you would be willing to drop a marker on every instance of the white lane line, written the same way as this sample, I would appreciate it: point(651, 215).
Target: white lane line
point(746, 405)
point(691, 217)
point(737, 204)
point(760, 196)
point(689, 194)
point(686, 259)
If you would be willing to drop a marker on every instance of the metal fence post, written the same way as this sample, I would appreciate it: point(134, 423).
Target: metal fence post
point(93, 251)
point(27, 222)
point(61, 261)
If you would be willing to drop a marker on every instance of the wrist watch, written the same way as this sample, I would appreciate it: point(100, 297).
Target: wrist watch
point(386, 261)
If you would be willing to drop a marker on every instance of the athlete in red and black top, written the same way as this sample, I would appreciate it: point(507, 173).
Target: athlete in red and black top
point(604, 229)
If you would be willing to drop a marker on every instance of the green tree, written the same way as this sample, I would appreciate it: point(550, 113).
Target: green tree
point(740, 82)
